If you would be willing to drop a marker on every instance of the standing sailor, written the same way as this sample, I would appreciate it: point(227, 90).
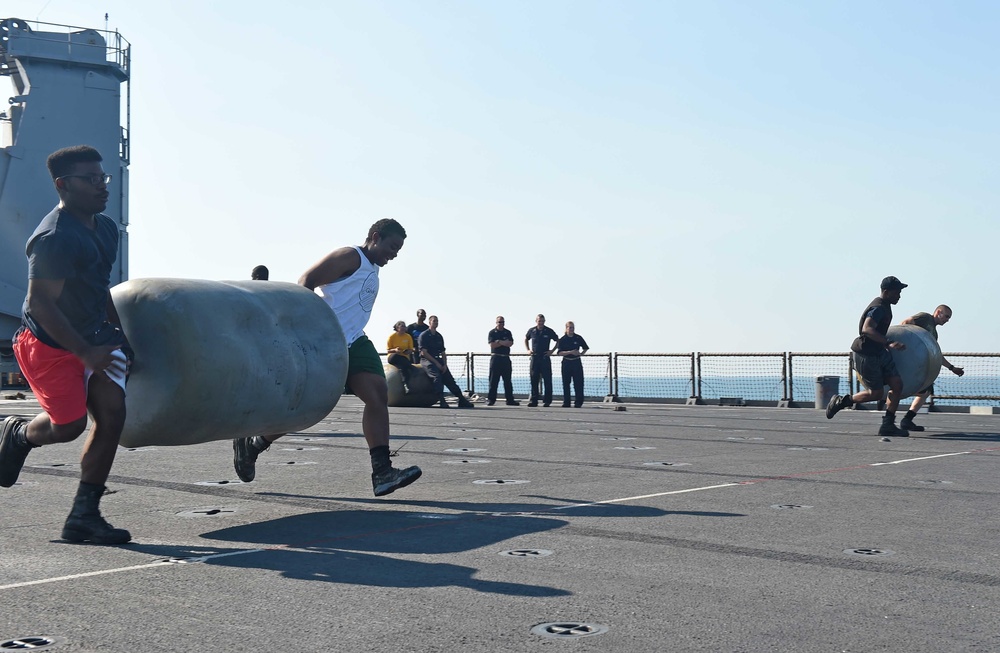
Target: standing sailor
point(571, 347)
point(500, 340)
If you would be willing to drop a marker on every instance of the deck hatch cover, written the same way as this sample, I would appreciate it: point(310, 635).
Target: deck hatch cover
point(568, 630)
point(31, 643)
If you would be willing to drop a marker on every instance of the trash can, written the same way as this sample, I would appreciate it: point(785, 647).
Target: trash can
point(826, 388)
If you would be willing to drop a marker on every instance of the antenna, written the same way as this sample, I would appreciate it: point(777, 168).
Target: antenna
point(42, 10)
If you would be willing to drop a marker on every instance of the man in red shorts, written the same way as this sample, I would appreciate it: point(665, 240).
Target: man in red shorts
point(70, 347)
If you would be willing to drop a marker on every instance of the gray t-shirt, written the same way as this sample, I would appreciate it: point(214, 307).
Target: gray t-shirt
point(925, 321)
point(63, 248)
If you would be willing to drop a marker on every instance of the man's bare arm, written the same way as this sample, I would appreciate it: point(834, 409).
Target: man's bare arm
point(954, 368)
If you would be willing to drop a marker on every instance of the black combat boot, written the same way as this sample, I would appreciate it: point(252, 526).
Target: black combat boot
point(907, 422)
point(85, 523)
point(889, 427)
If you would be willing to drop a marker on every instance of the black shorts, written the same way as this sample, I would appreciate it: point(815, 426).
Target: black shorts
point(875, 369)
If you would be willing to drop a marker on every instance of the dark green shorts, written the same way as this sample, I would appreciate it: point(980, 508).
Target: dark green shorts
point(363, 357)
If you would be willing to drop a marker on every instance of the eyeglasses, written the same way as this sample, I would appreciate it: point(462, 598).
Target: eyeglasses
point(95, 180)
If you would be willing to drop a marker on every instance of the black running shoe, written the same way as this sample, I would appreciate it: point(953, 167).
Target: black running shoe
point(12, 454)
point(392, 479)
point(834, 406)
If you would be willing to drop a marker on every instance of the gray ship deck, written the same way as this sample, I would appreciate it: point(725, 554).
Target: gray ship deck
point(770, 529)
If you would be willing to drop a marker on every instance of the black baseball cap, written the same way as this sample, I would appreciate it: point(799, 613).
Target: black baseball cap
point(892, 283)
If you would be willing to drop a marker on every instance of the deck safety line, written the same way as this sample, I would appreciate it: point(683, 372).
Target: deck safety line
point(104, 572)
point(161, 563)
point(772, 478)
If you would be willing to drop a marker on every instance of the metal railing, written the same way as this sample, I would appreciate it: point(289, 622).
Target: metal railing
point(762, 378)
point(784, 378)
point(116, 48)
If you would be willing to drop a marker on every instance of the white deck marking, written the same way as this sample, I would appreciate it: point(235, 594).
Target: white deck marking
point(103, 572)
point(910, 460)
point(84, 575)
point(647, 496)
point(771, 478)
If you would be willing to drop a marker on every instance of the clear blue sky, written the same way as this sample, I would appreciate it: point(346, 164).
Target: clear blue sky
point(672, 176)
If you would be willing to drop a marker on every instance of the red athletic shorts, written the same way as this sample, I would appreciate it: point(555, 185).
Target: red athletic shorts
point(56, 376)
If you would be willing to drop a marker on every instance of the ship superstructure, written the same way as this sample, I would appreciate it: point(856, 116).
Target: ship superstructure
point(67, 87)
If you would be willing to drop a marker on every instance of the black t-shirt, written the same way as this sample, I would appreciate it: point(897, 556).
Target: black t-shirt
point(571, 343)
point(881, 311)
point(415, 330)
point(63, 248)
point(500, 334)
point(433, 343)
point(540, 339)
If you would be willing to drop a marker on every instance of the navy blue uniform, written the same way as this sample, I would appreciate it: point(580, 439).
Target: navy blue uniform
point(541, 364)
point(572, 367)
point(500, 367)
point(434, 344)
point(415, 330)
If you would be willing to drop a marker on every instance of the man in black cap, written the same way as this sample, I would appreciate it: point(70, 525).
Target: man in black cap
point(873, 360)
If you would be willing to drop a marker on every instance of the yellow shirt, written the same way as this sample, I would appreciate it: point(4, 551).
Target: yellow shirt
point(401, 341)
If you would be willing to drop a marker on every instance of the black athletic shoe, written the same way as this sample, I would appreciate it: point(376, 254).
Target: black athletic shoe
point(565, 405)
point(513, 403)
point(465, 403)
point(907, 423)
point(245, 458)
point(12, 454)
point(532, 404)
point(491, 402)
point(392, 479)
point(834, 406)
point(547, 404)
